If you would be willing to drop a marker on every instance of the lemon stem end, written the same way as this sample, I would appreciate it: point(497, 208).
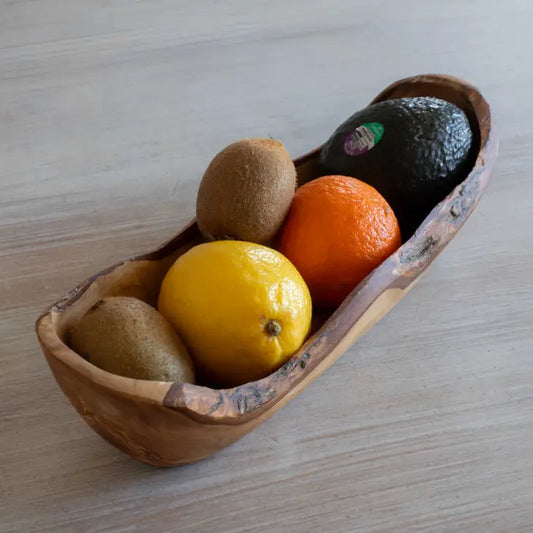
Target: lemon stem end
point(273, 328)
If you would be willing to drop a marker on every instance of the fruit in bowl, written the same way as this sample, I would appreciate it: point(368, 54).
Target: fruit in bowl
point(241, 308)
point(338, 230)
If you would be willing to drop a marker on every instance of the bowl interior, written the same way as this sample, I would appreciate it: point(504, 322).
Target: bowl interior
point(139, 277)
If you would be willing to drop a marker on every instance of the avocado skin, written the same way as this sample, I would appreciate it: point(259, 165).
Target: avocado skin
point(426, 150)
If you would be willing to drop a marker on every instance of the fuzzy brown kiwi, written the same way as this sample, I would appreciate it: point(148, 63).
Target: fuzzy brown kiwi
point(128, 337)
point(246, 192)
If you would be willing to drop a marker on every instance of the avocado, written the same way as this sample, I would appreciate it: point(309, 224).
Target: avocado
point(414, 151)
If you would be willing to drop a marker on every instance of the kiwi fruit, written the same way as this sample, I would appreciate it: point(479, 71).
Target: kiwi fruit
point(246, 192)
point(128, 337)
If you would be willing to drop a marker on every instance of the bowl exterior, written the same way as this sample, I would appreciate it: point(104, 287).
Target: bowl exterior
point(144, 429)
point(167, 424)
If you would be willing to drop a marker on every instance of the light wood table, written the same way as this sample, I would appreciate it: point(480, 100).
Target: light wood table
point(110, 112)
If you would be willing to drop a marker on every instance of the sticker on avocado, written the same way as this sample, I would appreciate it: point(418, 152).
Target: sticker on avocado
point(363, 138)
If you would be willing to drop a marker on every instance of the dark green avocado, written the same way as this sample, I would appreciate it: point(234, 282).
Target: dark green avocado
point(414, 151)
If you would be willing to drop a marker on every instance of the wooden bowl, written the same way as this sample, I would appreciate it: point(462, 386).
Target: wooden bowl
point(174, 423)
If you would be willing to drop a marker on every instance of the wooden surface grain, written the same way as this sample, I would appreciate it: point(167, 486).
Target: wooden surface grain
point(109, 113)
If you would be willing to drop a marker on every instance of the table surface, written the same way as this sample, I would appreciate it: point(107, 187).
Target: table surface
point(110, 112)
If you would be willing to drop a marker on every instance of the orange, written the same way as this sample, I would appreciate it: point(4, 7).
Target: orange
point(337, 231)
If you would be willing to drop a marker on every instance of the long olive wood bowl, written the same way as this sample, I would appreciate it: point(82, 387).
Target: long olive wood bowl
point(174, 423)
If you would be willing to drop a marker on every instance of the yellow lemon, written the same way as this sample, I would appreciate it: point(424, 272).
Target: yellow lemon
point(242, 309)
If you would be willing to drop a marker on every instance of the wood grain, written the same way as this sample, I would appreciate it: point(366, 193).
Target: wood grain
point(110, 113)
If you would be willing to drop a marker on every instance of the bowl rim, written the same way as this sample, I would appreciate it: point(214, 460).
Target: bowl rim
point(247, 401)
